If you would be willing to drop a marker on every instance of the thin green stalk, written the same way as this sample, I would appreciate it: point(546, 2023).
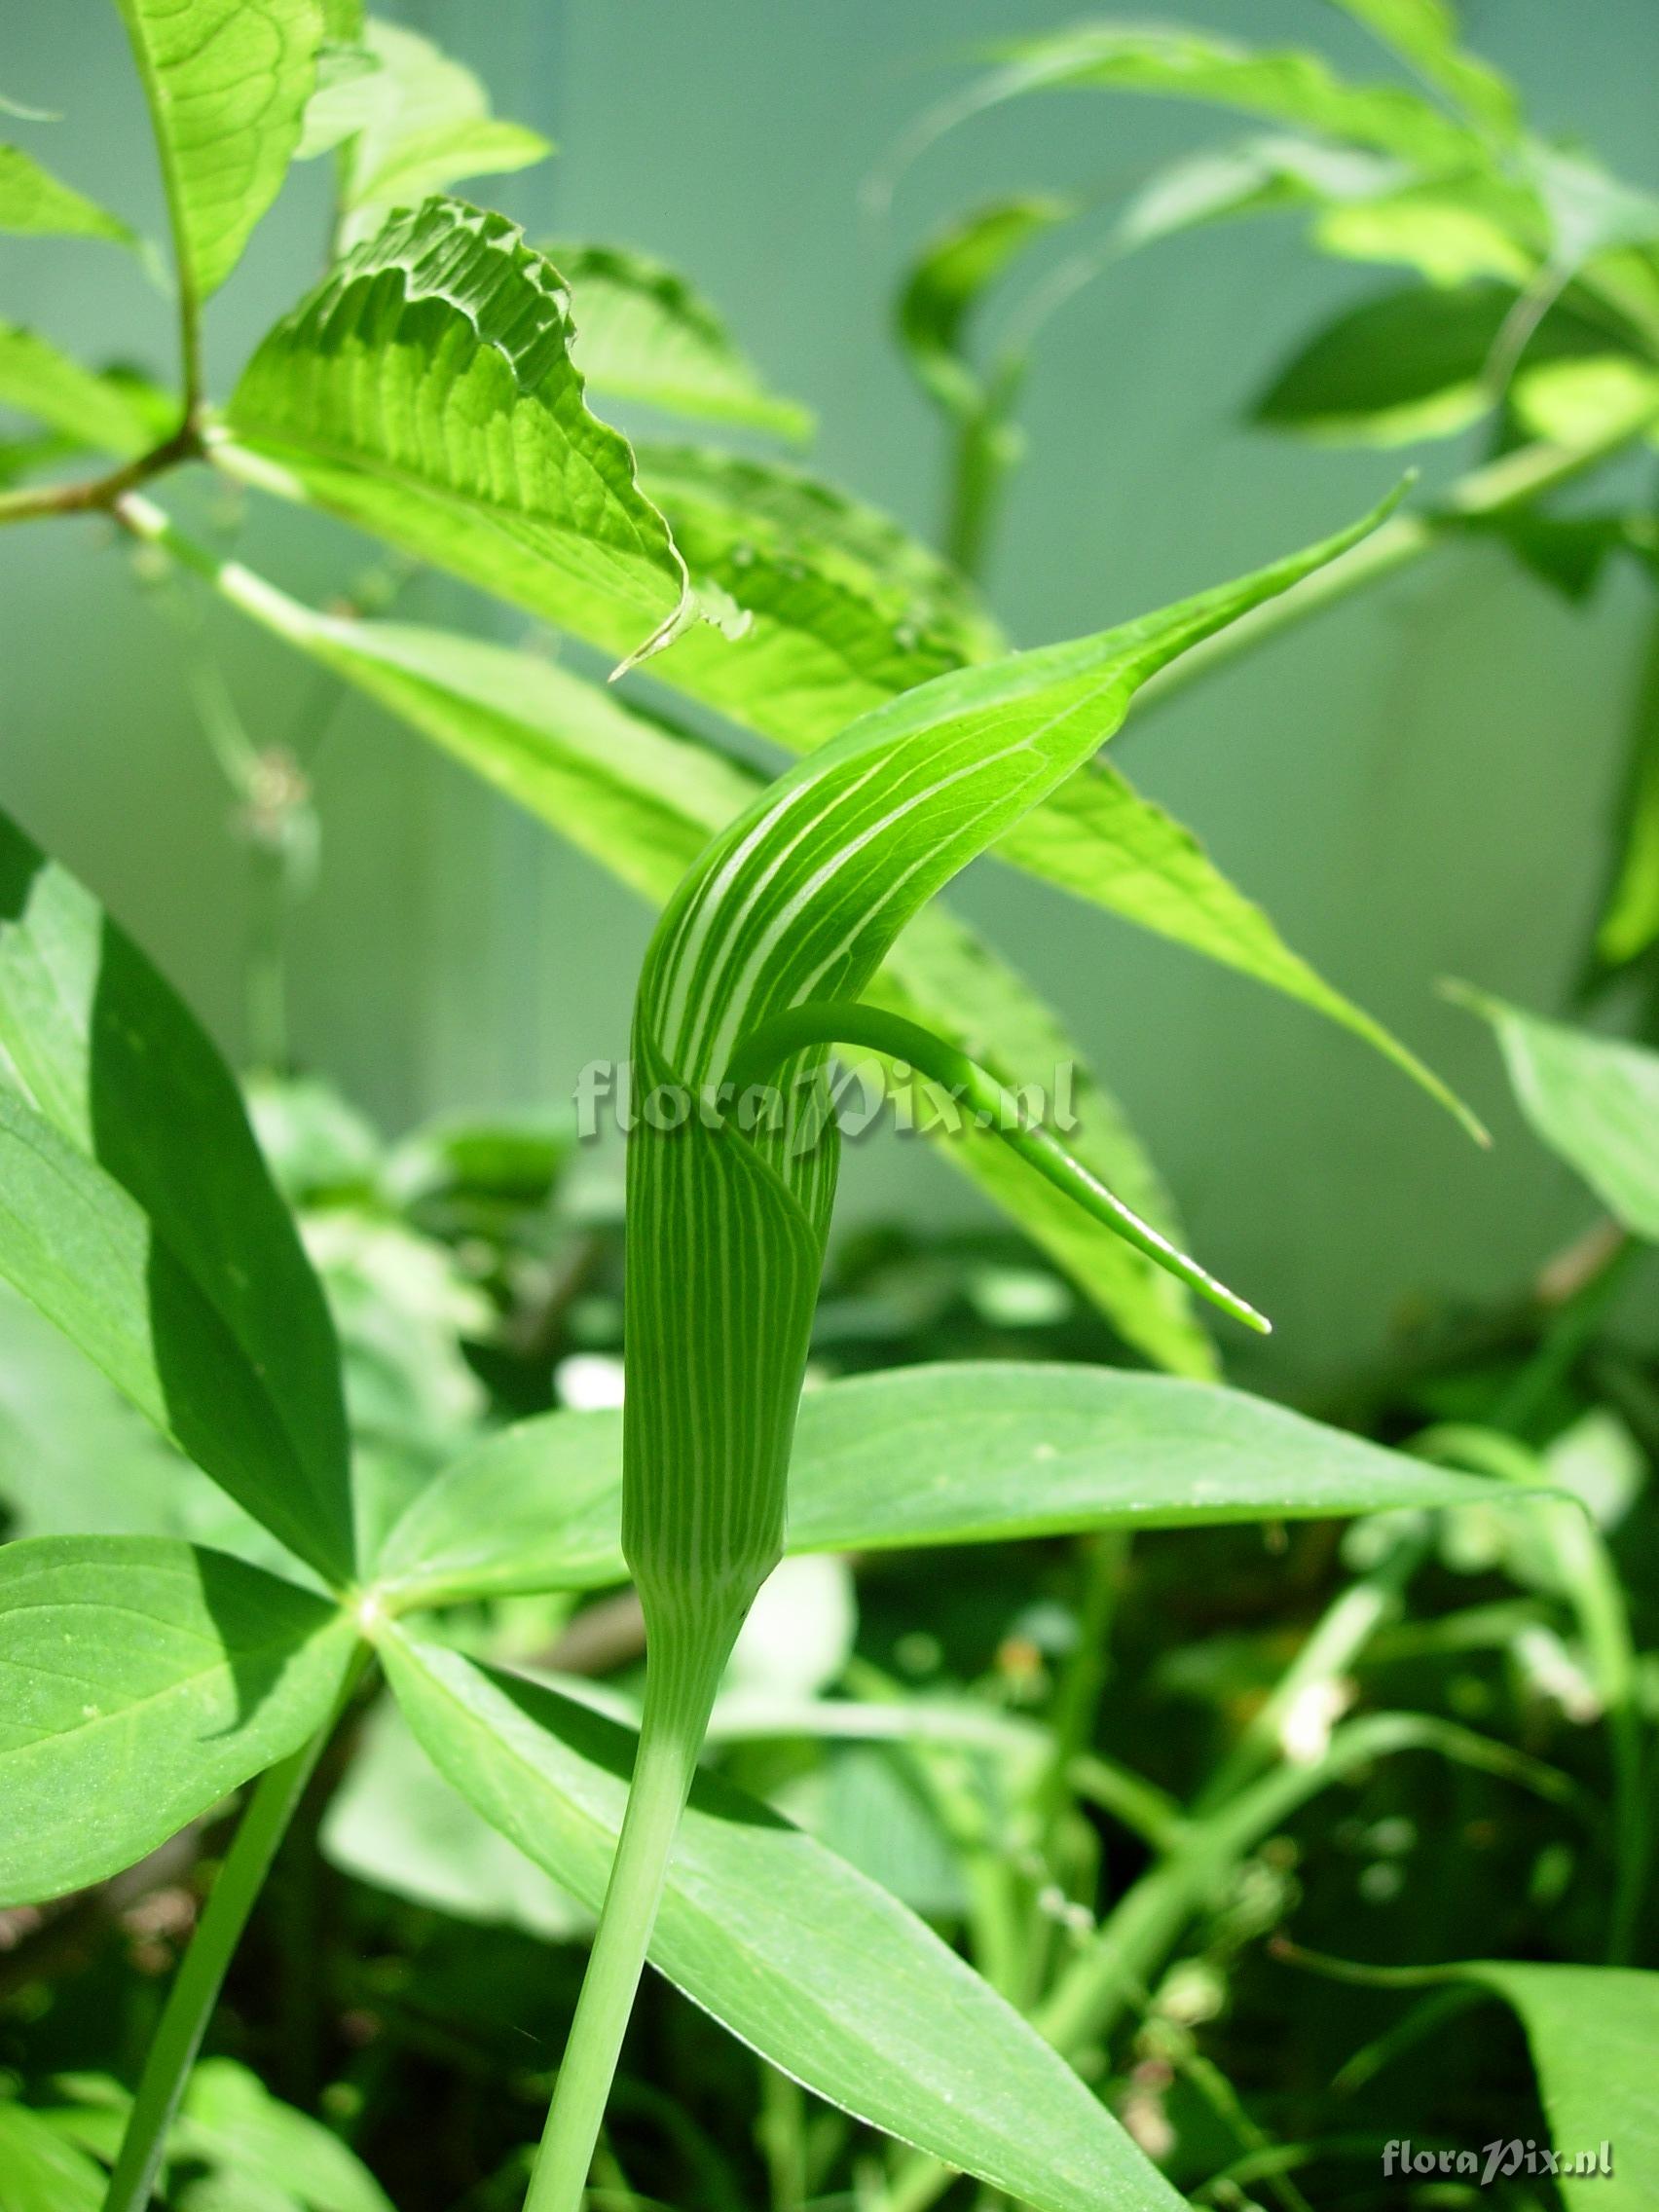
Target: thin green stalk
point(1345, 1627)
point(197, 1984)
point(1590, 1582)
point(680, 1694)
point(1518, 477)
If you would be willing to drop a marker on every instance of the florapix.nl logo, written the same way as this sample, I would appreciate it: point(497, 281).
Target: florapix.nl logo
point(857, 1096)
point(1505, 2160)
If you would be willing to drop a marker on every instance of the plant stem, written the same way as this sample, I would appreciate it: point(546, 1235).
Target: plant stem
point(96, 493)
point(1518, 477)
point(680, 1682)
point(197, 1984)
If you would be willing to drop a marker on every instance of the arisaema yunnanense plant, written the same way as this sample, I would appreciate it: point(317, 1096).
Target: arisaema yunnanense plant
point(755, 973)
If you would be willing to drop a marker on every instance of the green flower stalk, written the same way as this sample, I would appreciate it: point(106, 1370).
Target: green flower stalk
point(754, 973)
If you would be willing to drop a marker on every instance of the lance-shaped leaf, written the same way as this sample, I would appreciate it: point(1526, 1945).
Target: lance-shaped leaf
point(109, 412)
point(1593, 2032)
point(779, 1939)
point(427, 392)
point(644, 333)
point(1411, 364)
point(35, 203)
point(1424, 34)
point(137, 1212)
point(968, 1453)
point(143, 1679)
point(1292, 86)
point(1593, 1101)
point(409, 121)
point(643, 799)
point(227, 84)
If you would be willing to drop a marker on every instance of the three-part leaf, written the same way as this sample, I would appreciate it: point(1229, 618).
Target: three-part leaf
point(142, 1680)
point(136, 1213)
point(968, 1453)
point(829, 1977)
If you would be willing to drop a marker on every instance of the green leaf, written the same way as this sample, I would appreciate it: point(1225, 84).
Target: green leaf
point(1593, 1101)
point(110, 413)
point(1103, 842)
point(1424, 35)
point(1593, 2032)
point(427, 392)
point(229, 2121)
point(1630, 921)
point(137, 1212)
point(1582, 401)
point(33, 203)
point(395, 1823)
point(227, 86)
point(144, 1680)
point(774, 1935)
point(643, 800)
point(39, 2171)
point(991, 1453)
point(844, 609)
point(947, 282)
point(1453, 230)
point(644, 333)
point(1292, 86)
point(411, 123)
point(1410, 364)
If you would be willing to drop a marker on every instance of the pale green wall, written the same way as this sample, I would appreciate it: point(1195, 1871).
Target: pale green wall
point(1417, 788)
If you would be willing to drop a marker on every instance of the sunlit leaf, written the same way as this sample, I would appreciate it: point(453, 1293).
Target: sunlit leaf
point(1424, 34)
point(1582, 401)
point(644, 333)
point(227, 86)
point(144, 1680)
point(427, 392)
point(34, 202)
point(1453, 230)
point(397, 1824)
point(774, 1935)
point(41, 2172)
point(1594, 1100)
point(139, 1216)
point(991, 1453)
point(411, 122)
point(1294, 87)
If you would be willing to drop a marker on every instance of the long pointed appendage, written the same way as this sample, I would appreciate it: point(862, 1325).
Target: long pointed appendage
point(994, 1108)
